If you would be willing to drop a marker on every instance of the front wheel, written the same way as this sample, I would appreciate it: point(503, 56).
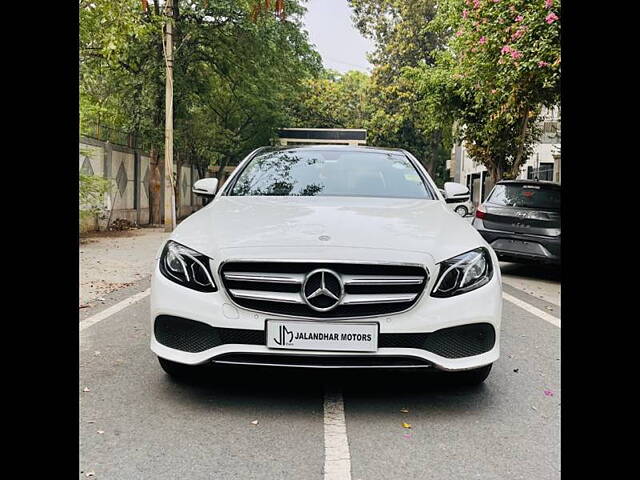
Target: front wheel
point(471, 377)
point(462, 211)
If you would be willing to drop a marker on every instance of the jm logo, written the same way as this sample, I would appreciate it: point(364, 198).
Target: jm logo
point(284, 336)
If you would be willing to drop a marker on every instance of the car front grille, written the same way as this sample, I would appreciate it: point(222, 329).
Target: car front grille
point(323, 361)
point(369, 289)
point(194, 337)
point(455, 342)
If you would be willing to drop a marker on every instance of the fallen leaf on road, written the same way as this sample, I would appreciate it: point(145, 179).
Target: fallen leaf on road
point(86, 389)
point(90, 474)
point(404, 410)
point(516, 370)
point(549, 308)
point(97, 352)
point(255, 422)
point(534, 408)
point(91, 421)
point(86, 305)
point(406, 425)
point(548, 393)
point(100, 432)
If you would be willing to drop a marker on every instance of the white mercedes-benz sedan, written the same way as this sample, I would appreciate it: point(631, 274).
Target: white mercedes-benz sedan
point(327, 257)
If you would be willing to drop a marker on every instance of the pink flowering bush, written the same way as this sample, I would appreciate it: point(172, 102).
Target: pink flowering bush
point(552, 17)
point(503, 61)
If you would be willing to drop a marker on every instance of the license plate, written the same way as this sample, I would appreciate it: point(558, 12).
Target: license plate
point(299, 335)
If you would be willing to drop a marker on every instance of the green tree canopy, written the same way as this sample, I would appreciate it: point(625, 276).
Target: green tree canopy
point(501, 66)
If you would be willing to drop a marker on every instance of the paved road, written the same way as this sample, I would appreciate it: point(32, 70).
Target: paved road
point(156, 428)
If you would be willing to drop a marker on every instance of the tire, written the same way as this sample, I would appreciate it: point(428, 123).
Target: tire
point(471, 377)
point(462, 211)
point(177, 370)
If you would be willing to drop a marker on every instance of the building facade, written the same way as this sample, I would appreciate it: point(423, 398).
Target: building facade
point(543, 164)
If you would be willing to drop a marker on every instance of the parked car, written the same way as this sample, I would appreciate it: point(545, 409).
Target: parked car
point(457, 198)
point(521, 221)
point(327, 256)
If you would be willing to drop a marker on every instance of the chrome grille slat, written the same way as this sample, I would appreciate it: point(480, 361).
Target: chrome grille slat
point(288, 278)
point(373, 298)
point(369, 289)
point(381, 280)
point(281, 297)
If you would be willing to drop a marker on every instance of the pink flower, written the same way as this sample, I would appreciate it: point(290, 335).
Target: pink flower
point(543, 64)
point(505, 49)
point(494, 90)
point(519, 18)
point(548, 3)
point(518, 33)
point(515, 54)
point(476, 3)
point(552, 17)
point(465, 13)
point(458, 33)
point(482, 40)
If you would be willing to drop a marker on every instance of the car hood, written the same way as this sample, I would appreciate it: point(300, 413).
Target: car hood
point(236, 225)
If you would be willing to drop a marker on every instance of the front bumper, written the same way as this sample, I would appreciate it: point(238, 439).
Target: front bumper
point(520, 247)
point(400, 333)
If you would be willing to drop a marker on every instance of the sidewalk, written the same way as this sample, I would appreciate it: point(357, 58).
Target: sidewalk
point(113, 260)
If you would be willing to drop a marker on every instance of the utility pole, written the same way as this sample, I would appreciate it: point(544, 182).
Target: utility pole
point(169, 197)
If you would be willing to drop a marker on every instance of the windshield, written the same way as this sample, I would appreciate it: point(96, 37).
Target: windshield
point(311, 173)
point(526, 196)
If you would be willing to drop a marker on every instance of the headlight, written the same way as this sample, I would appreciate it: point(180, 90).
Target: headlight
point(463, 273)
point(186, 267)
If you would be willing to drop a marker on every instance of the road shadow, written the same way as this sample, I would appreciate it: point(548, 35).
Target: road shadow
point(281, 386)
point(551, 273)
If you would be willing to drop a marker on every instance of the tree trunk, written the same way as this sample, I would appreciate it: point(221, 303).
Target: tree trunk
point(223, 164)
point(178, 190)
point(515, 169)
point(155, 216)
point(202, 170)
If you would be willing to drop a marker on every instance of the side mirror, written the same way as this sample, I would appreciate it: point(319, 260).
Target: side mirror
point(453, 189)
point(205, 187)
point(456, 192)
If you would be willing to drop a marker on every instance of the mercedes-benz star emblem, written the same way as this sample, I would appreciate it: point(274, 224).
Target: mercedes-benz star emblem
point(322, 290)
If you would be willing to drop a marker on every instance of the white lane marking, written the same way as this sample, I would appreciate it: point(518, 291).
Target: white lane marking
point(337, 459)
point(512, 283)
point(531, 309)
point(87, 322)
